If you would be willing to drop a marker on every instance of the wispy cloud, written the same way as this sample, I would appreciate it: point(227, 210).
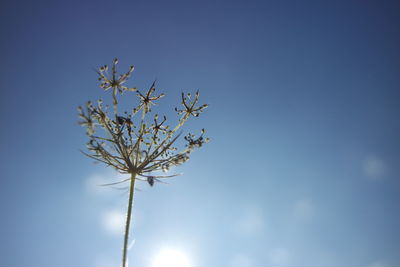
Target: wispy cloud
point(94, 183)
point(279, 257)
point(242, 260)
point(113, 221)
point(304, 209)
point(251, 221)
point(112, 216)
point(102, 261)
point(378, 264)
point(374, 168)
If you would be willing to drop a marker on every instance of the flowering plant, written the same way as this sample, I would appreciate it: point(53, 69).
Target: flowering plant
point(129, 143)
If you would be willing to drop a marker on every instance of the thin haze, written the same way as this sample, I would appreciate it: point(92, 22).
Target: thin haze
point(303, 165)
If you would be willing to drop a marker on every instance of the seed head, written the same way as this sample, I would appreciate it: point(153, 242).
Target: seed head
point(129, 143)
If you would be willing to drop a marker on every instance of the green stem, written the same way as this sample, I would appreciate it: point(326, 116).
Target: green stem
point(128, 219)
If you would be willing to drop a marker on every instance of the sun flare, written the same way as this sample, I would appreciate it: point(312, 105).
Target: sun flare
point(171, 258)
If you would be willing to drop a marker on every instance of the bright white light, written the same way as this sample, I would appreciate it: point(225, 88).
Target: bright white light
point(171, 258)
point(113, 221)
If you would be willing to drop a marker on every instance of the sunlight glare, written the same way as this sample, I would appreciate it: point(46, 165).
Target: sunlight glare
point(171, 258)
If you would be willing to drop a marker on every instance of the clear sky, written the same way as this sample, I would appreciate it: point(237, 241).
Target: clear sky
point(303, 165)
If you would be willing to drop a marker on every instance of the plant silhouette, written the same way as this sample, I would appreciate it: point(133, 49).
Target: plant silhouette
point(131, 142)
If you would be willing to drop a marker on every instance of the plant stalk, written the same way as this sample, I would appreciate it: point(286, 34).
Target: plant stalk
point(128, 219)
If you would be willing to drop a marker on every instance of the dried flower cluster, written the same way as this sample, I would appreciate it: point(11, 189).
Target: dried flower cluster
point(130, 142)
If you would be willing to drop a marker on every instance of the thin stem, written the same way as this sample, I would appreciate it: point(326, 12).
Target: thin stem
point(128, 219)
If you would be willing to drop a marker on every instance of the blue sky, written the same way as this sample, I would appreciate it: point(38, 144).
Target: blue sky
point(303, 165)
